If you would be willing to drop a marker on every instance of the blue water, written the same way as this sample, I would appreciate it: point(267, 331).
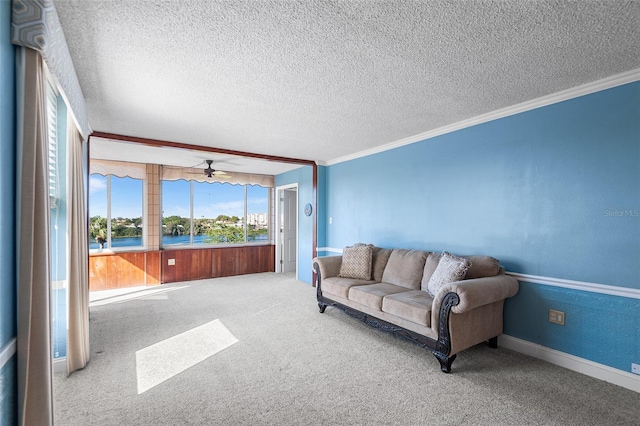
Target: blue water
point(198, 239)
point(59, 322)
point(166, 241)
point(119, 242)
point(181, 239)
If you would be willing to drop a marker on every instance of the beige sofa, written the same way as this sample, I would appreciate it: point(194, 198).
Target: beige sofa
point(394, 295)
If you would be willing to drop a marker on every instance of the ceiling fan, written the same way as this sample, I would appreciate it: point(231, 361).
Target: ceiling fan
point(210, 172)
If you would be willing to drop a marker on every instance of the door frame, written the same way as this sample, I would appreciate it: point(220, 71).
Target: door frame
point(278, 239)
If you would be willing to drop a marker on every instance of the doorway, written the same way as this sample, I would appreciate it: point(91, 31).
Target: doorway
point(287, 226)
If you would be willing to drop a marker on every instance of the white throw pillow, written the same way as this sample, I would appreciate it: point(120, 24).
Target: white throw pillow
point(451, 268)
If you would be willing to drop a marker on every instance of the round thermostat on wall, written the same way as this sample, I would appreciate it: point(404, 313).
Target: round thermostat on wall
point(308, 209)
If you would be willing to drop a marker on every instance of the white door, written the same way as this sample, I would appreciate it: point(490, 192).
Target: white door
point(289, 230)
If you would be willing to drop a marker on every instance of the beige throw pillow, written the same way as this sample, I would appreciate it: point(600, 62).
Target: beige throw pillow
point(356, 262)
point(482, 266)
point(429, 268)
point(451, 268)
point(405, 268)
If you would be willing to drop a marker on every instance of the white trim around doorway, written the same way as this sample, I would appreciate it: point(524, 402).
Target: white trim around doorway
point(278, 220)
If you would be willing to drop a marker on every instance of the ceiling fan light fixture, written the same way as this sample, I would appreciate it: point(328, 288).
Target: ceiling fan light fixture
point(210, 171)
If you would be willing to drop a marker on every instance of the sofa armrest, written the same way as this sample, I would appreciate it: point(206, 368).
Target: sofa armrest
point(328, 266)
point(474, 293)
point(482, 291)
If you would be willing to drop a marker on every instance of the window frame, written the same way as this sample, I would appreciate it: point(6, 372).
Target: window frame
point(245, 242)
point(109, 218)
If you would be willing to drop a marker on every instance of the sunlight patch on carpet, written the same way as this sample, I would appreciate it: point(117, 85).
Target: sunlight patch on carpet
point(107, 297)
point(168, 358)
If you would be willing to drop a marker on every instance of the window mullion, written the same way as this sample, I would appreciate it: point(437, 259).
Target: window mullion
point(109, 211)
point(191, 214)
point(245, 213)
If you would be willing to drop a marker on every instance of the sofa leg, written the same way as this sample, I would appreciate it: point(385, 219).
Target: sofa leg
point(493, 342)
point(322, 307)
point(445, 361)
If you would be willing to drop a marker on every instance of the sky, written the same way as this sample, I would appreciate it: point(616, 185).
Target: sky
point(209, 199)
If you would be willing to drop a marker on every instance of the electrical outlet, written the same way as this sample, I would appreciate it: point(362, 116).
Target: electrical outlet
point(556, 317)
point(635, 368)
point(171, 262)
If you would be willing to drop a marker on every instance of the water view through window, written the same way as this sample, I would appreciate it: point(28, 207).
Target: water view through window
point(219, 214)
point(193, 213)
point(115, 212)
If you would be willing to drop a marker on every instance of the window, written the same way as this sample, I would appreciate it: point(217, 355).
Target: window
point(257, 213)
point(220, 208)
point(116, 212)
point(56, 135)
point(176, 218)
point(214, 213)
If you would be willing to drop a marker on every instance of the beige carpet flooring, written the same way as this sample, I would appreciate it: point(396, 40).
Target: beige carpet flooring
point(254, 350)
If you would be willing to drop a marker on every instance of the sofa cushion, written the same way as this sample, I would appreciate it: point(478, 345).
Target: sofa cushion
point(482, 266)
point(451, 268)
point(405, 268)
point(371, 295)
point(356, 262)
point(380, 259)
point(429, 268)
point(414, 306)
point(340, 286)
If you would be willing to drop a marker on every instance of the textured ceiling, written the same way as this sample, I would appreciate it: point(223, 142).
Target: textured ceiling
point(319, 79)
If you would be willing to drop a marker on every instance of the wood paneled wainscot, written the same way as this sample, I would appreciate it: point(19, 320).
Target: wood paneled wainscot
point(111, 270)
point(200, 263)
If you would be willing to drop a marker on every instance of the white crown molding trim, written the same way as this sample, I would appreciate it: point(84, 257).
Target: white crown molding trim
point(7, 352)
point(564, 95)
point(578, 285)
point(584, 366)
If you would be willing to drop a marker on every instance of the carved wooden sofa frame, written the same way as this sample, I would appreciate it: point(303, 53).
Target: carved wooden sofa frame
point(440, 346)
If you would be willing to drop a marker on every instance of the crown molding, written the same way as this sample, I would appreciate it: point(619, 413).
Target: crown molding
point(585, 89)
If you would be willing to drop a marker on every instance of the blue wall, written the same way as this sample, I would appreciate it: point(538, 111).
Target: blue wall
point(7, 219)
point(303, 176)
point(552, 192)
point(599, 327)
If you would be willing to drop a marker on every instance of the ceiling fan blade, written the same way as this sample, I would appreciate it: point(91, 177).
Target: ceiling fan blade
point(218, 172)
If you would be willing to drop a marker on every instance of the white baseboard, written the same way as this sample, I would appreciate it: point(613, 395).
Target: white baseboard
point(584, 366)
point(60, 365)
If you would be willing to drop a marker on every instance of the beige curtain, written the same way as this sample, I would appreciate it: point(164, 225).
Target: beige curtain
point(78, 334)
point(35, 402)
